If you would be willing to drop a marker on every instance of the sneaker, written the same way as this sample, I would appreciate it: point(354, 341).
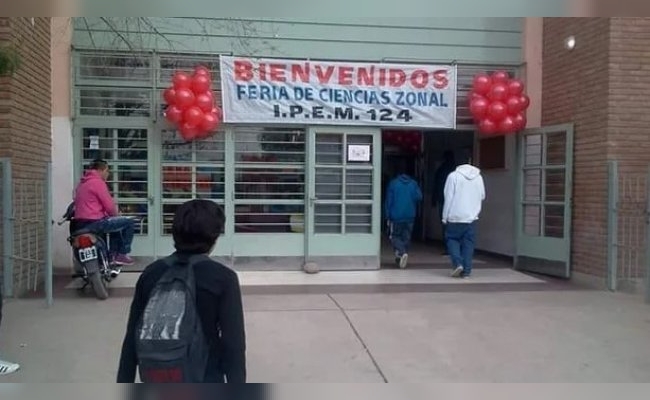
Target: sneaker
point(403, 260)
point(458, 272)
point(7, 368)
point(123, 259)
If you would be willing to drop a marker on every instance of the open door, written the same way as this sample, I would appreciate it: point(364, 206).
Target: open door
point(544, 183)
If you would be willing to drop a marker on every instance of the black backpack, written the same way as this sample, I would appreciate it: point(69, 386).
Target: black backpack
point(170, 342)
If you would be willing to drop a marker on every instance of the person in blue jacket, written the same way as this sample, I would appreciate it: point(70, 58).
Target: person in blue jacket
point(402, 199)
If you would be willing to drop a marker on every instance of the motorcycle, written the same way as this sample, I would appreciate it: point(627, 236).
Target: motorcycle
point(91, 257)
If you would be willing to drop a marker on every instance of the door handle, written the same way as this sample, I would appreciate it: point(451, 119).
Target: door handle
point(151, 200)
point(312, 200)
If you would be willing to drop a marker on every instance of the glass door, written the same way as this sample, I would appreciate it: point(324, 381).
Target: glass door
point(126, 148)
point(544, 201)
point(344, 194)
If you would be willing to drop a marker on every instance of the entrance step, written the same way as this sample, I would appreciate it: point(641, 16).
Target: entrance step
point(270, 282)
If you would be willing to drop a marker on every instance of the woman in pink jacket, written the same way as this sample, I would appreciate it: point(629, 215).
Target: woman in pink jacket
point(96, 210)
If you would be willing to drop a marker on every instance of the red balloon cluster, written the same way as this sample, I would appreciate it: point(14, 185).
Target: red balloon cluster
point(190, 104)
point(498, 103)
point(408, 141)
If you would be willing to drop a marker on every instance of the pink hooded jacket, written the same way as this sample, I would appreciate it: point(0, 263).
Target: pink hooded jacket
point(92, 200)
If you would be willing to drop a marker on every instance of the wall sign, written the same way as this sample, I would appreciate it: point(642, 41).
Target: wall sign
point(336, 93)
point(359, 152)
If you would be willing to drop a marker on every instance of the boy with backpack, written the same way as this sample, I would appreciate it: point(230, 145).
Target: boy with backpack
point(186, 323)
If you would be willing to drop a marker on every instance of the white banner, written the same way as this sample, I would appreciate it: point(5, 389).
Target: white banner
point(306, 92)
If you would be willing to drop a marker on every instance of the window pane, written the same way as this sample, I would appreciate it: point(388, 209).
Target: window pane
point(274, 218)
point(139, 210)
point(269, 145)
point(112, 102)
point(114, 67)
point(132, 144)
point(211, 149)
point(168, 211)
point(175, 149)
point(555, 185)
point(210, 183)
point(533, 185)
point(554, 221)
point(177, 182)
point(358, 218)
point(556, 148)
point(532, 220)
point(329, 149)
point(329, 184)
point(270, 183)
point(533, 150)
point(327, 218)
point(358, 184)
point(129, 182)
point(99, 143)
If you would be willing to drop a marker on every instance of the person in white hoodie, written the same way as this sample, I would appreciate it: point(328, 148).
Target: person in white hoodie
point(464, 195)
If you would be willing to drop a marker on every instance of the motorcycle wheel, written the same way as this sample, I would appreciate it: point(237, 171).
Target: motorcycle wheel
point(99, 287)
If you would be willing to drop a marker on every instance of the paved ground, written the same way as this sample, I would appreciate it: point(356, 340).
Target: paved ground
point(542, 336)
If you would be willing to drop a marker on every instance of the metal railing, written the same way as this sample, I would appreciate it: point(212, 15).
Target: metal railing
point(26, 231)
point(628, 263)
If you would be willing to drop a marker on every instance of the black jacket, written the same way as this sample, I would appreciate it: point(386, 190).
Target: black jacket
point(219, 306)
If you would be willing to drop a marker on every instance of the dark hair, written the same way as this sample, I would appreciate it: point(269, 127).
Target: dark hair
point(464, 156)
point(448, 156)
point(98, 165)
point(197, 226)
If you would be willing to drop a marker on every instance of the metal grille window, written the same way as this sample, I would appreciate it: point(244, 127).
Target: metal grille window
point(344, 189)
point(269, 180)
point(109, 102)
point(126, 152)
point(127, 69)
point(189, 171)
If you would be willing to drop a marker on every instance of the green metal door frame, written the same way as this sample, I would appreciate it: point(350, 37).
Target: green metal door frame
point(344, 244)
point(143, 245)
point(543, 253)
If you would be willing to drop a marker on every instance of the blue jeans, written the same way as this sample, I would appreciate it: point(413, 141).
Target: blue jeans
point(461, 239)
point(401, 237)
point(120, 231)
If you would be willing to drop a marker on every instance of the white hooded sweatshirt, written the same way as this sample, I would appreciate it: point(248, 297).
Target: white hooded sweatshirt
point(464, 195)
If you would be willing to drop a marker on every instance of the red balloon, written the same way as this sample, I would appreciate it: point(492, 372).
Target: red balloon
point(487, 126)
point(507, 125)
point(202, 70)
point(514, 105)
point(200, 84)
point(482, 84)
point(520, 121)
point(193, 116)
point(169, 95)
point(181, 81)
point(184, 98)
point(515, 87)
point(204, 102)
point(209, 123)
point(189, 132)
point(500, 77)
point(478, 107)
point(174, 114)
point(498, 92)
point(497, 111)
point(525, 101)
point(219, 112)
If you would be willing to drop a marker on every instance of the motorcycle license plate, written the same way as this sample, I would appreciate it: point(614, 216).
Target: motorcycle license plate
point(88, 254)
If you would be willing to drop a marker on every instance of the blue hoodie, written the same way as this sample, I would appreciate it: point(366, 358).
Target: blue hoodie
point(402, 199)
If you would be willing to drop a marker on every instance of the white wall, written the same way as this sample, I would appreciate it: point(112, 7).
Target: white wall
point(62, 188)
point(496, 228)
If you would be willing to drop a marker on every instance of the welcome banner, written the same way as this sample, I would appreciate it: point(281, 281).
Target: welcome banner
point(306, 92)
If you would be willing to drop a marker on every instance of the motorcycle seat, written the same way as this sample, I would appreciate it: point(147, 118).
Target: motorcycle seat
point(84, 231)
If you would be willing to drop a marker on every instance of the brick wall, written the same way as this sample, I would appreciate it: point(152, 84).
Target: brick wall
point(575, 89)
point(25, 138)
point(603, 87)
point(629, 94)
